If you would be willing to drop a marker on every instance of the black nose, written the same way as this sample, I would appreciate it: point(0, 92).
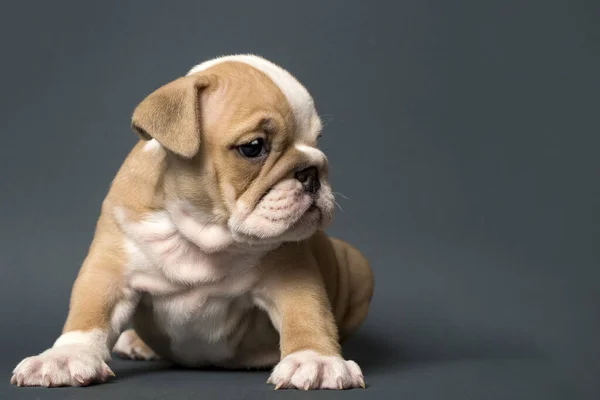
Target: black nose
point(309, 178)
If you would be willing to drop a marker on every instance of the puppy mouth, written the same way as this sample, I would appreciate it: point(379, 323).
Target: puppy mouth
point(312, 209)
point(310, 219)
point(313, 214)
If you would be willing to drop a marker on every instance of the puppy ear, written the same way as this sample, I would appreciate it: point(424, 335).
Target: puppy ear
point(171, 115)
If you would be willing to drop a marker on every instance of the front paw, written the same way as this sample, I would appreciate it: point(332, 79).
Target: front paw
point(309, 370)
point(68, 365)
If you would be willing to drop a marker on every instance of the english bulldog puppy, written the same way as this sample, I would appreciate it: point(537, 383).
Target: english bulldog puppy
point(210, 242)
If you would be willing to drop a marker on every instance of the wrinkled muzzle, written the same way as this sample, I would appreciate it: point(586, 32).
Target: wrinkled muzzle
point(287, 212)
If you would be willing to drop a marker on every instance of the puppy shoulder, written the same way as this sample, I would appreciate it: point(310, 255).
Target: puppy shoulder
point(138, 185)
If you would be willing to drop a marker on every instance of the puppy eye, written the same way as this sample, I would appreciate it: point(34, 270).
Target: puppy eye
point(253, 149)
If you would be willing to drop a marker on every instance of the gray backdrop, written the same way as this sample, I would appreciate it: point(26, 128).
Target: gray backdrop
point(464, 135)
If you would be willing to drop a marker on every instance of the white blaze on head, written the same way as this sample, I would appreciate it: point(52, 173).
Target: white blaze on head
point(316, 157)
point(297, 96)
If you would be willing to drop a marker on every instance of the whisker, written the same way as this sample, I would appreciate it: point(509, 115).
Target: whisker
point(340, 207)
point(341, 195)
point(327, 119)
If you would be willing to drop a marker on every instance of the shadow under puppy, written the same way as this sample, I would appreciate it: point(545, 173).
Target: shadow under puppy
point(211, 241)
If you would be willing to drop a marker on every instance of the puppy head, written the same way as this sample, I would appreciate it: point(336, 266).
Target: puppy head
point(241, 137)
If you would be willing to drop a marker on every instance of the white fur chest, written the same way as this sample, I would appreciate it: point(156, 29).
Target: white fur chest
point(199, 297)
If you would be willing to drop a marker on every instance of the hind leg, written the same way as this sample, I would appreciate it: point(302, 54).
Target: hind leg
point(130, 346)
